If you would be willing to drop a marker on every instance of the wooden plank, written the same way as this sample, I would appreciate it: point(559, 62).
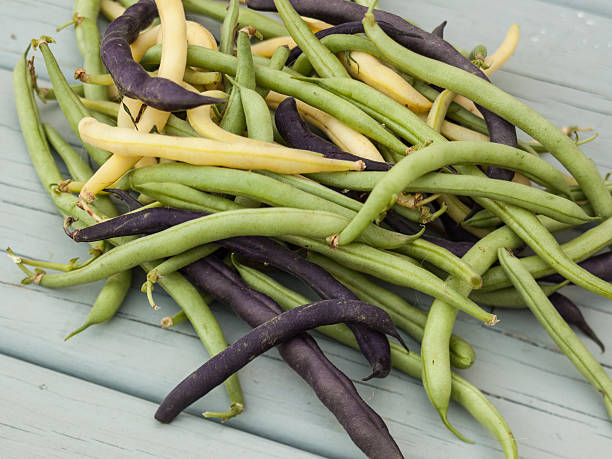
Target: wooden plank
point(551, 410)
point(52, 415)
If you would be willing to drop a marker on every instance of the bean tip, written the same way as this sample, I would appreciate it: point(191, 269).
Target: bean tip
point(167, 322)
point(492, 321)
point(332, 241)
point(68, 221)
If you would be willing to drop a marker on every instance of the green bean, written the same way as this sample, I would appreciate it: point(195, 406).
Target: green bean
point(501, 103)
point(88, 41)
point(205, 325)
point(337, 43)
point(392, 268)
point(228, 28)
point(261, 188)
point(321, 58)
point(578, 249)
point(281, 82)
point(179, 238)
point(510, 297)
point(257, 114)
point(185, 197)
point(108, 301)
point(69, 102)
point(439, 155)
point(269, 28)
point(556, 327)
point(482, 219)
point(408, 362)
point(405, 316)
point(530, 198)
point(233, 119)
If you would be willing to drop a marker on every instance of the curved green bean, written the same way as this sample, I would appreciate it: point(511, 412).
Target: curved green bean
point(556, 327)
point(501, 103)
point(228, 28)
point(439, 155)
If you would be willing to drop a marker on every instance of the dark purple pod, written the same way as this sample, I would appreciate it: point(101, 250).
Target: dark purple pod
point(130, 201)
point(373, 345)
point(572, 315)
point(267, 335)
point(146, 221)
point(367, 430)
point(598, 265)
point(295, 132)
point(130, 77)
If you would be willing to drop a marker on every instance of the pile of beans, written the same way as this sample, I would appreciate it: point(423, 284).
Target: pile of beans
point(339, 144)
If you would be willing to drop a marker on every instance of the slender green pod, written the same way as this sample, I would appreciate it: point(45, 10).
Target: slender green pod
point(556, 327)
point(283, 83)
point(228, 28)
point(321, 58)
point(88, 41)
point(510, 297)
point(268, 27)
point(108, 301)
point(501, 103)
point(439, 155)
point(69, 102)
point(185, 197)
point(408, 362)
point(395, 269)
point(257, 115)
point(261, 188)
point(405, 316)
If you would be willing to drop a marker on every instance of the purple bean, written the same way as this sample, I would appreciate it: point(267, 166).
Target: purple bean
point(130, 201)
point(373, 345)
point(302, 353)
point(130, 77)
point(439, 31)
point(267, 335)
point(572, 315)
point(295, 132)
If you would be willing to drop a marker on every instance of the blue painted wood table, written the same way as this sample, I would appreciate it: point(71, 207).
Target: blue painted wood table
point(94, 396)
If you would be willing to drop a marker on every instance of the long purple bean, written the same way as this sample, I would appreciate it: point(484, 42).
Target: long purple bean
point(302, 353)
point(373, 345)
point(573, 316)
point(427, 44)
point(295, 132)
point(267, 335)
point(129, 76)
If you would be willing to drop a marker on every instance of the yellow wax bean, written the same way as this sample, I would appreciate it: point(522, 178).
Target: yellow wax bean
point(198, 151)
